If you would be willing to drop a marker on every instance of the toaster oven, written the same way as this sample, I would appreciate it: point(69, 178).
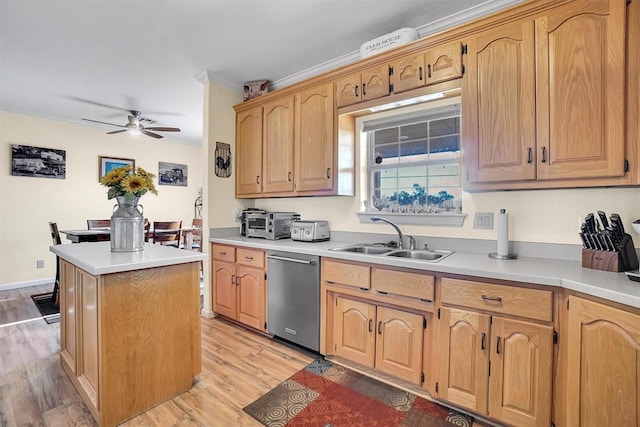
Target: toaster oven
point(269, 225)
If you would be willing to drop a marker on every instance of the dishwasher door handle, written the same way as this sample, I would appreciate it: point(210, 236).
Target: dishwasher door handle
point(299, 261)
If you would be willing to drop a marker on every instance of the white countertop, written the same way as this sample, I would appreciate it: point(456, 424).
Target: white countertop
point(97, 258)
point(566, 274)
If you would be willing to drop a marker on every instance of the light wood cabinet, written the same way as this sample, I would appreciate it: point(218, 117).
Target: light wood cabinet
point(131, 333)
point(495, 365)
point(603, 372)
point(248, 166)
point(543, 98)
point(277, 158)
point(361, 86)
point(239, 285)
point(379, 337)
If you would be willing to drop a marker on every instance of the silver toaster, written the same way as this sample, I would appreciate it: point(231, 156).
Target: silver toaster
point(310, 231)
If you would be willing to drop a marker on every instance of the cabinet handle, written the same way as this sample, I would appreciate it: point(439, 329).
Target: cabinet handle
point(483, 341)
point(248, 258)
point(289, 176)
point(364, 89)
point(355, 91)
point(529, 153)
point(233, 279)
point(544, 155)
point(420, 72)
point(257, 179)
point(380, 327)
point(237, 280)
point(498, 345)
point(222, 253)
point(487, 298)
point(429, 70)
point(328, 173)
point(370, 325)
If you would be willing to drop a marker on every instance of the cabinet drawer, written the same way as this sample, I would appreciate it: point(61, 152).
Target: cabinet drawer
point(223, 253)
point(250, 257)
point(346, 274)
point(524, 302)
point(411, 285)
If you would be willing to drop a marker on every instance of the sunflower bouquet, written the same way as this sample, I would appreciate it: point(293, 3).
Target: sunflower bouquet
point(129, 182)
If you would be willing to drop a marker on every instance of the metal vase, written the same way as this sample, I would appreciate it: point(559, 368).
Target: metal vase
point(127, 225)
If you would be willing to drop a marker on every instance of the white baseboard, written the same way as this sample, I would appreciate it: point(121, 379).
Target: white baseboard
point(26, 284)
point(207, 313)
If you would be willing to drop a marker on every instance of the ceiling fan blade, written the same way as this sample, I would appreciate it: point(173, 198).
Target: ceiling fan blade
point(117, 131)
point(104, 123)
point(163, 129)
point(154, 135)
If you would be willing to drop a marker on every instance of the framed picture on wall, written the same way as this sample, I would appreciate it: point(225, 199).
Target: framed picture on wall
point(172, 174)
point(106, 164)
point(38, 161)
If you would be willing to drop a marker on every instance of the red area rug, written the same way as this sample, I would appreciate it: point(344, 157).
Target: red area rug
point(328, 395)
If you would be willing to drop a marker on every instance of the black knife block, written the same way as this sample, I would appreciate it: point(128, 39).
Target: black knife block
point(624, 260)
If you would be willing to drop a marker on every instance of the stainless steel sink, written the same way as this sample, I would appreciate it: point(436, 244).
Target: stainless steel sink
point(424, 255)
point(365, 249)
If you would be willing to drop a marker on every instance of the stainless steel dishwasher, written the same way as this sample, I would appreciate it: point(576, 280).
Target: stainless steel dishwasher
point(293, 298)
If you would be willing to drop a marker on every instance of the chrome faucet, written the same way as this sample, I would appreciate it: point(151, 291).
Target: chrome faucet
point(400, 236)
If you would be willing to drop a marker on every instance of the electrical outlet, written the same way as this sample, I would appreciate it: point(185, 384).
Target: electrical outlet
point(40, 263)
point(483, 220)
point(237, 215)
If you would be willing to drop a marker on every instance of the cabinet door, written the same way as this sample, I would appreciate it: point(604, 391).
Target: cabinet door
point(520, 382)
point(375, 82)
point(464, 337)
point(277, 159)
point(443, 63)
point(348, 90)
point(315, 139)
point(354, 331)
point(224, 288)
point(408, 73)
point(251, 297)
point(68, 324)
point(498, 118)
point(249, 152)
point(603, 374)
point(580, 73)
point(399, 343)
point(87, 290)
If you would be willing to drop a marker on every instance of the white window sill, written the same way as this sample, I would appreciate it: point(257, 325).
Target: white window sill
point(439, 219)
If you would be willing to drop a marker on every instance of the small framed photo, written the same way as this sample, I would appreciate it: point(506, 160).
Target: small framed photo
point(106, 164)
point(172, 174)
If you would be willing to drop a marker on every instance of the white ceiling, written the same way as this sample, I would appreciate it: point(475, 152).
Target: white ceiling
point(96, 59)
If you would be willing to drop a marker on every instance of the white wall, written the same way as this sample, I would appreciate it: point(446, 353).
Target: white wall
point(27, 204)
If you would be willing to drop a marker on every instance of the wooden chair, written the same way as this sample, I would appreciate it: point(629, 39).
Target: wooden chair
point(167, 233)
point(55, 238)
point(193, 240)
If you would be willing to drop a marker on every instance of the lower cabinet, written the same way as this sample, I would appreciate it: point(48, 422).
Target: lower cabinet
point(380, 337)
point(239, 285)
point(493, 364)
point(603, 372)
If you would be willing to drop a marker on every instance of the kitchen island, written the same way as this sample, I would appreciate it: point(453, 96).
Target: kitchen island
point(130, 325)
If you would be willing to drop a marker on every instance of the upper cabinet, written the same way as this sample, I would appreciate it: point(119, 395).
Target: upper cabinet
point(277, 141)
point(249, 152)
point(543, 98)
point(435, 65)
point(369, 84)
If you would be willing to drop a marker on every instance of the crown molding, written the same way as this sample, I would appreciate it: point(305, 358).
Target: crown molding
point(477, 11)
point(209, 76)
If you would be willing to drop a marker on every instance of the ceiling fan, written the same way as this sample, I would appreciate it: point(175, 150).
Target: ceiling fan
point(135, 126)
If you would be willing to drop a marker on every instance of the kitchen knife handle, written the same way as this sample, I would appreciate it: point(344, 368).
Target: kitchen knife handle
point(544, 155)
point(487, 298)
point(483, 341)
point(529, 155)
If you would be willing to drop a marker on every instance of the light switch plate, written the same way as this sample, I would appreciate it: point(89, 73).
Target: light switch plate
point(483, 220)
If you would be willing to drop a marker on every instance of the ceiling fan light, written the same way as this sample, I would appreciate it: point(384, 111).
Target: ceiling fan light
point(135, 132)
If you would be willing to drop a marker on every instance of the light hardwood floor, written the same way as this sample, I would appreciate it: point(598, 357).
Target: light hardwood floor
point(238, 366)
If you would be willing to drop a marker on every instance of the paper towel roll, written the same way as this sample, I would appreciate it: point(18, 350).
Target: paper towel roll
point(503, 233)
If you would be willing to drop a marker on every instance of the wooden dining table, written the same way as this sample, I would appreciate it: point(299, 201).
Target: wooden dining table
point(102, 234)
